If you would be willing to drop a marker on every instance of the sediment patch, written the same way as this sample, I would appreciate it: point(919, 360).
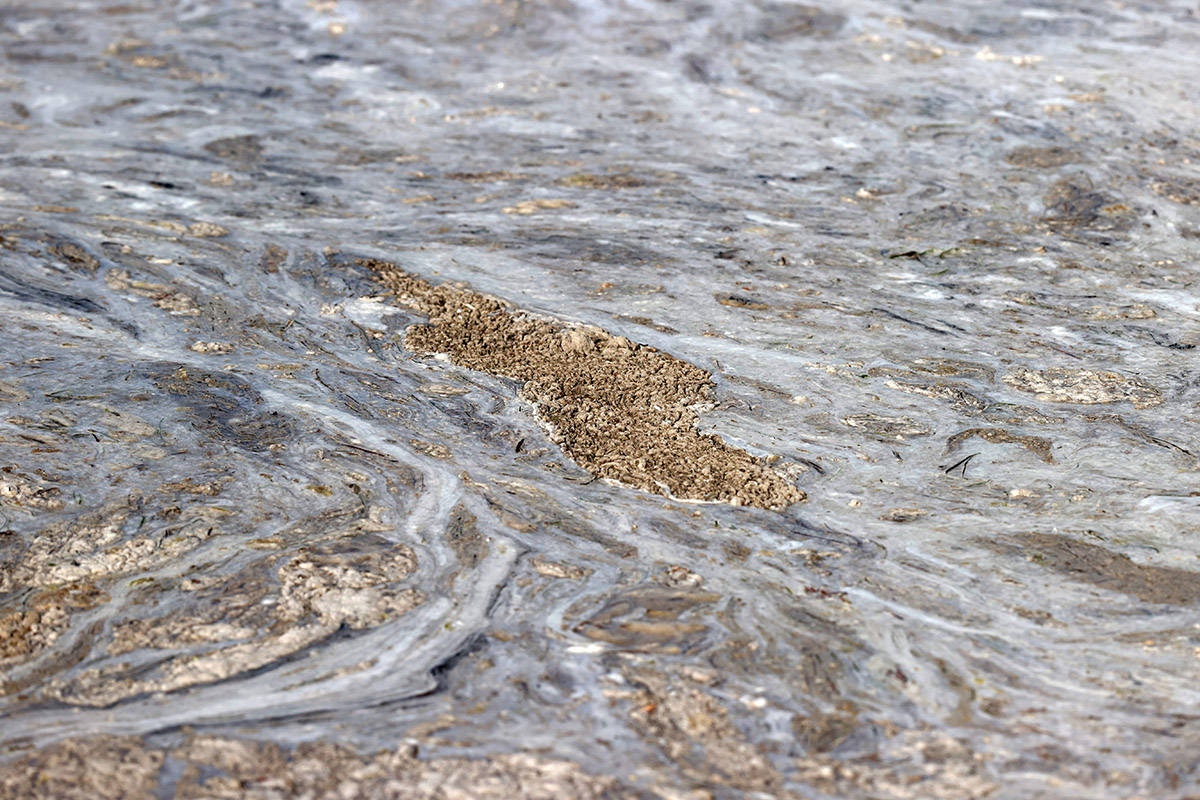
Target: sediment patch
point(1083, 386)
point(622, 410)
point(1037, 445)
point(1099, 566)
point(112, 767)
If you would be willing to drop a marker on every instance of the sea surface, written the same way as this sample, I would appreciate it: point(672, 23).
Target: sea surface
point(933, 261)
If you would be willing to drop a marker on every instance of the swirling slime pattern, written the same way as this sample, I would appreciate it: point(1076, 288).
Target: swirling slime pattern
point(419, 400)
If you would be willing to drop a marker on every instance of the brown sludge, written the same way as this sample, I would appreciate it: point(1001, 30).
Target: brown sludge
point(217, 768)
point(1037, 445)
point(1099, 566)
point(622, 410)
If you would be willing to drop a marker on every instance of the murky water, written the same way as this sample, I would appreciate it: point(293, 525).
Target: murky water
point(935, 258)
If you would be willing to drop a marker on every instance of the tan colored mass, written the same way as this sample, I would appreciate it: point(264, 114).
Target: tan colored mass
point(622, 410)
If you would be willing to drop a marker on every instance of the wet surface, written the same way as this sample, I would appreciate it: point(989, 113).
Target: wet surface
point(262, 520)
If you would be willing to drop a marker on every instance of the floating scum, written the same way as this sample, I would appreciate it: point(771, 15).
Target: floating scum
point(622, 410)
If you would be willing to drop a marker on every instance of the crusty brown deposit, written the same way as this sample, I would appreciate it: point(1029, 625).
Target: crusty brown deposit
point(624, 411)
point(216, 768)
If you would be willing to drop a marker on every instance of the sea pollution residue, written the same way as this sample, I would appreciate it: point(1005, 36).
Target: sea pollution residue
point(623, 410)
point(272, 521)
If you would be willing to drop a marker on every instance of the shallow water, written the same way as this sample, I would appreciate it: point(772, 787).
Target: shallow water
point(935, 257)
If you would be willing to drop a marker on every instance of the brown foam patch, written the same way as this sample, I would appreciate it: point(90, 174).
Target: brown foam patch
point(622, 410)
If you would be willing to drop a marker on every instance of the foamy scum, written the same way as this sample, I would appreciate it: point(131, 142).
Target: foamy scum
point(293, 504)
